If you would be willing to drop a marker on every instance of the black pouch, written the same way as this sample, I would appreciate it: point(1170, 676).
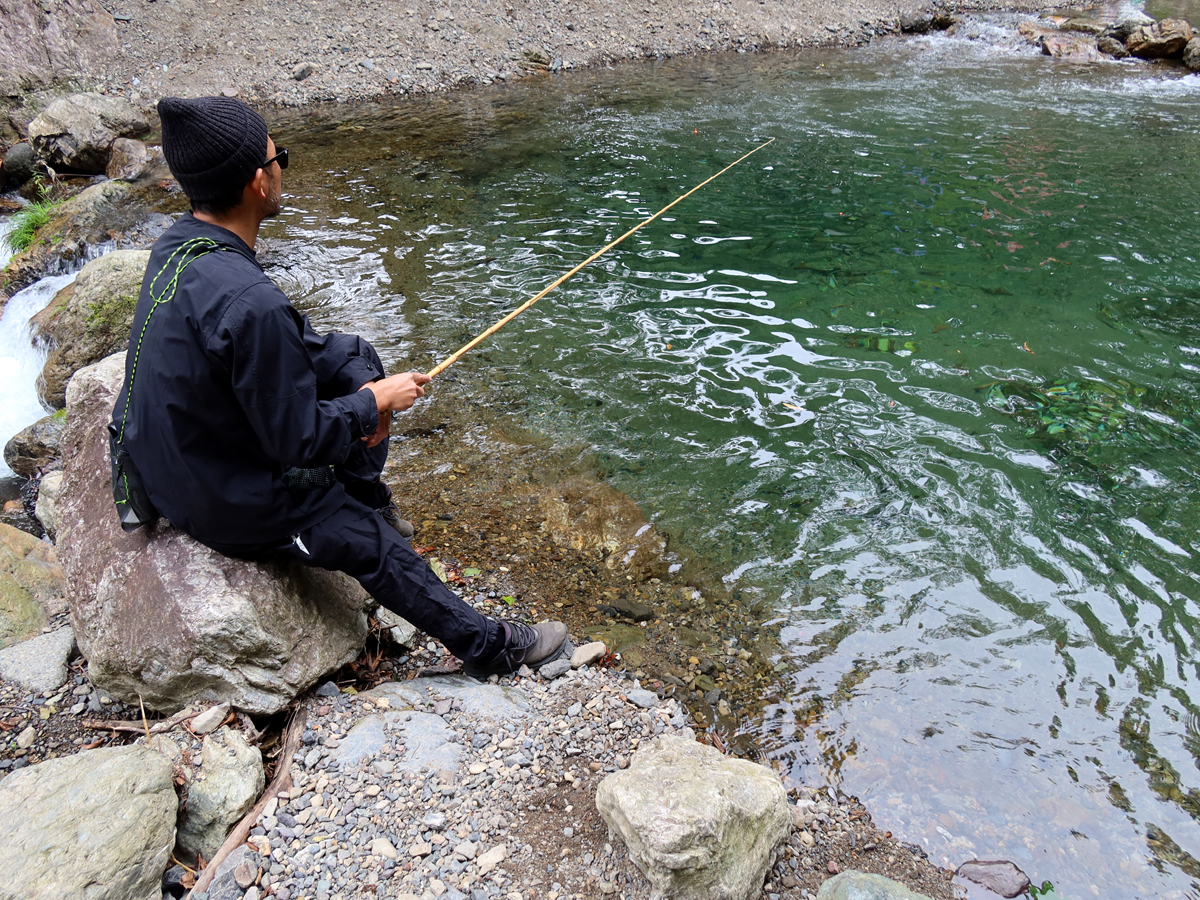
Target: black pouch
point(301, 482)
point(133, 503)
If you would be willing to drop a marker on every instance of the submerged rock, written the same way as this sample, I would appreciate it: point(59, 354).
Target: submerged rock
point(98, 824)
point(162, 617)
point(1072, 47)
point(77, 132)
point(998, 875)
point(851, 885)
point(89, 319)
point(30, 449)
point(697, 824)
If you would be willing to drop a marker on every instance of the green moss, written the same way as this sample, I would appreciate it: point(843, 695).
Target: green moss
point(112, 315)
point(27, 222)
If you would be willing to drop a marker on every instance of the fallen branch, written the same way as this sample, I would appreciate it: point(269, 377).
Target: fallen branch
point(156, 728)
point(280, 783)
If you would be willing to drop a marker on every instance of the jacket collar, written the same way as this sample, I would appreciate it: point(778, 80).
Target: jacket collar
point(188, 227)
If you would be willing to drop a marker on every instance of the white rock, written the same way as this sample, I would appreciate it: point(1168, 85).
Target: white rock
point(491, 859)
point(697, 824)
point(210, 719)
point(26, 738)
point(40, 663)
point(588, 654)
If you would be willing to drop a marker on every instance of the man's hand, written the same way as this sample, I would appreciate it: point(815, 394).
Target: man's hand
point(395, 393)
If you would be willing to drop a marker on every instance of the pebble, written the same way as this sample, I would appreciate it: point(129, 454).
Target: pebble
point(588, 654)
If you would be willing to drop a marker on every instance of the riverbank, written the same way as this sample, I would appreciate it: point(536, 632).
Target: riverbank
point(314, 52)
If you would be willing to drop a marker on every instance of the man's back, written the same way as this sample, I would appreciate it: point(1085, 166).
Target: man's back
point(225, 394)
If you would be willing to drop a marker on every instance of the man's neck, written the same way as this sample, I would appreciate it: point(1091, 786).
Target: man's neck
point(244, 226)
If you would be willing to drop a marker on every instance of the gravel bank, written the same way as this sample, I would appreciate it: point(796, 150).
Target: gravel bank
point(311, 51)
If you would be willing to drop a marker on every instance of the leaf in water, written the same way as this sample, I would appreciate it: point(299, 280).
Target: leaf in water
point(471, 572)
point(793, 406)
point(438, 569)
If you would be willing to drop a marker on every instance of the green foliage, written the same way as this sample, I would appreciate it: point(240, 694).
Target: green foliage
point(1046, 892)
point(27, 222)
point(509, 599)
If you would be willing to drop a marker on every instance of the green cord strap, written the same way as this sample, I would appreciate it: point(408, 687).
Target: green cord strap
point(185, 258)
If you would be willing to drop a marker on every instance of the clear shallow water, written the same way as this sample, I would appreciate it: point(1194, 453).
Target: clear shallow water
point(919, 379)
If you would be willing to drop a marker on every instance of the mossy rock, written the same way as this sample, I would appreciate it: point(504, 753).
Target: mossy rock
point(89, 319)
point(32, 585)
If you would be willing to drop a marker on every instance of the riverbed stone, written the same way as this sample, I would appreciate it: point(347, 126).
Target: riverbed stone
point(697, 824)
point(46, 508)
point(1110, 46)
point(163, 618)
point(77, 132)
point(132, 160)
point(998, 875)
point(588, 654)
point(853, 885)
point(230, 780)
point(88, 319)
point(32, 448)
point(32, 585)
point(1072, 47)
point(40, 663)
point(240, 863)
point(97, 824)
point(1162, 40)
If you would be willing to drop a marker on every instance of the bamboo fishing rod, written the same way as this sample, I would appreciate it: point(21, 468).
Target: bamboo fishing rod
point(474, 342)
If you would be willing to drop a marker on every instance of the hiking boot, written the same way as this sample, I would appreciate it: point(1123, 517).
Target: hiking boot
point(524, 645)
point(391, 515)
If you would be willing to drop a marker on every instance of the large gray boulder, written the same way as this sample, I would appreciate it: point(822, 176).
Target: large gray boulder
point(99, 824)
point(229, 781)
point(160, 616)
point(698, 825)
point(88, 320)
point(77, 132)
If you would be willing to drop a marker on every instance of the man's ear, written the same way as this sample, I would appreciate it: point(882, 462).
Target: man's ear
point(256, 188)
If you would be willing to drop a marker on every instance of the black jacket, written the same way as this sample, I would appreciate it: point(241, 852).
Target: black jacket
point(232, 386)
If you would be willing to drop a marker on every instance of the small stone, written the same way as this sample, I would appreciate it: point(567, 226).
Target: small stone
point(555, 669)
point(491, 859)
point(587, 654)
point(832, 868)
point(26, 738)
point(302, 70)
point(434, 820)
point(245, 874)
point(466, 850)
point(384, 848)
point(420, 848)
point(622, 762)
point(643, 698)
point(997, 875)
point(328, 689)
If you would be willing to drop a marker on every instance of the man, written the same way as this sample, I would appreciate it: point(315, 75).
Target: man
point(253, 433)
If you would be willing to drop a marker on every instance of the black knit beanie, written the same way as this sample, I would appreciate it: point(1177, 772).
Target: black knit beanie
point(213, 145)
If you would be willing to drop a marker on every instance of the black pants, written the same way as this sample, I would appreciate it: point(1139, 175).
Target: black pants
point(356, 540)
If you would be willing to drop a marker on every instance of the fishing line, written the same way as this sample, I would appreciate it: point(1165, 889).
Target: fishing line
point(453, 357)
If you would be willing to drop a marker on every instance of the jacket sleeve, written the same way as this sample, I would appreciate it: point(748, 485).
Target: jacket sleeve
point(343, 363)
point(261, 340)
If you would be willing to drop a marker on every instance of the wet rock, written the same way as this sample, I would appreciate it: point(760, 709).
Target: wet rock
point(1110, 46)
point(97, 824)
point(40, 663)
point(161, 617)
point(31, 448)
point(1072, 47)
point(89, 319)
point(925, 22)
point(998, 875)
point(1191, 55)
point(19, 162)
point(132, 160)
point(47, 502)
point(230, 779)
point(1162, 40)
point(630, 609)
point(32, 585)
point(699, 825)
point(1128, 24)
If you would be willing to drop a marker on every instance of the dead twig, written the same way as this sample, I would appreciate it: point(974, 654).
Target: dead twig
point(156, 728)
point(281, 782)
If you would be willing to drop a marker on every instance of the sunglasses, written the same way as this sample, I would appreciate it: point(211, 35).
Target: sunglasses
point(280, 157)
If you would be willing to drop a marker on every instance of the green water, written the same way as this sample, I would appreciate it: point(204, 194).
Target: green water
point(920, 379)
